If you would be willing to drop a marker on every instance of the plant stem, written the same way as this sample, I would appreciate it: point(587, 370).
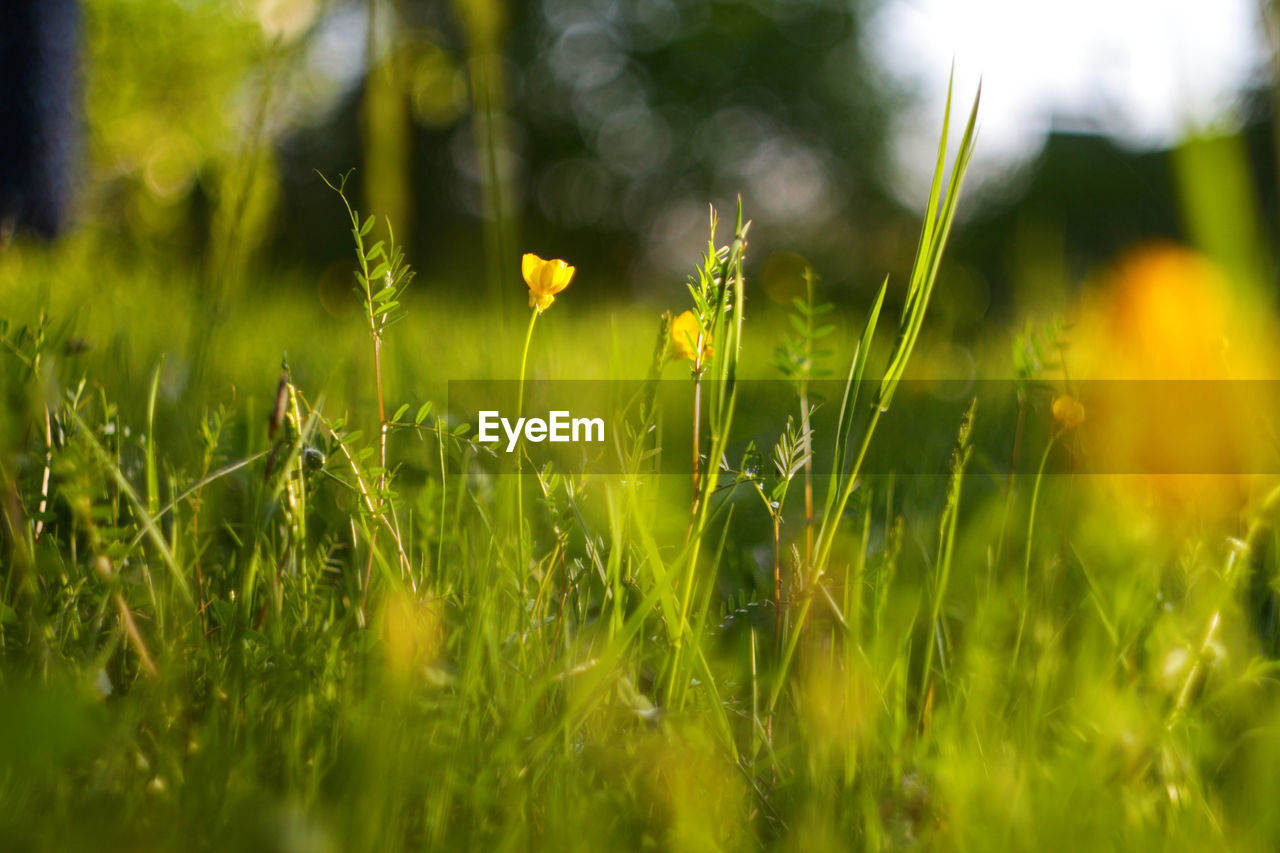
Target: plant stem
point(1026, 565)
point(697, 455)
point(805, 422)
point(382, 414)
point(826, 537)
point(1008, 485)
point(806, 431)
point(524, 360)
point(721, 419)
point(777, 576)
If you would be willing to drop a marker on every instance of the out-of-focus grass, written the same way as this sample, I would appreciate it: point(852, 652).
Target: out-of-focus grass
point(215, 637)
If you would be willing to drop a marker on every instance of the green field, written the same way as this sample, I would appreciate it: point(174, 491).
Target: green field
point(264, 591)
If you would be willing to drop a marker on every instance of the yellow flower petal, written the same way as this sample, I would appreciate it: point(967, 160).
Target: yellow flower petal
point(684, 337)
point(1068, 411)
point(545, 279)
point(561, 274)
point(531, 266)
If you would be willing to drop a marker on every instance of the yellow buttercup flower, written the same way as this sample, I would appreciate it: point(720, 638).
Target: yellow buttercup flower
point(545, 279)
point(1068, 411)
point(684, 337)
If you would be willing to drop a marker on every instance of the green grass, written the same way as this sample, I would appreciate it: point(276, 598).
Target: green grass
point(226, 623)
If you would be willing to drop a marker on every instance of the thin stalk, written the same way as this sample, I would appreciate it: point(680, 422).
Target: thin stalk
point(807, 431)
point(946, 551)
point(697, 442)
point(131, 631)
point(827, 534)
point(1008, 485)
point(524, 360)
point(48, 470)
point(382, 413)
point(379, 305)
point(805, 425)
point(444, 491)
point(724, 398)
point(756, 727)
point(855, 577)
point(824, 551)
point(1026, 564)
point(777, 578)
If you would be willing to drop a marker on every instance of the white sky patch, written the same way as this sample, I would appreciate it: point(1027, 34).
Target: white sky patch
point(1141, 71)
point(334, 62)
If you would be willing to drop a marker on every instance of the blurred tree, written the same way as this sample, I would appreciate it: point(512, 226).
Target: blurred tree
point(39, 69)
point(484, 26)
point(168, 104)
point(385, 119)
point(601, 129)
point(1086, 200)
point(637, 113)
point(607, 126)
point(597, 129)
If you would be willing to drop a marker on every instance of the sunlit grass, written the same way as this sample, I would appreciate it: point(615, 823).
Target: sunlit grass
point(227, 623)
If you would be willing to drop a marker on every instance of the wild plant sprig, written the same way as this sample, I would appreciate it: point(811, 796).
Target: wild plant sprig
point(939, 214)
point(801, 360)
point(946, 550)
point(791, 454)
point(719, 291)
point(381, 279)
point(1036, 351)
point(380, 289)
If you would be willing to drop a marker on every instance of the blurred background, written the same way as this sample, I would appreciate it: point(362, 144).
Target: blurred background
point(1119, 222)
point(600, 131)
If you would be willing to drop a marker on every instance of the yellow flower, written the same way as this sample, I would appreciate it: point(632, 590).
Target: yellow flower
point(545, 279)
point(1068, 411)
point(684, 337)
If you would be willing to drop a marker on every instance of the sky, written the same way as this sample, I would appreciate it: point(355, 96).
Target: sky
point(1142, 71)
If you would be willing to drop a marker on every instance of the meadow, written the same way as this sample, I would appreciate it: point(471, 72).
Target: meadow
point(263, 590)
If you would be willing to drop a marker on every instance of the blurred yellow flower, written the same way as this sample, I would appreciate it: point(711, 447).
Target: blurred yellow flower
point(545, 279)
point(1179, 330)
point(684, 337)
point(411, 635)
point(1068, 411)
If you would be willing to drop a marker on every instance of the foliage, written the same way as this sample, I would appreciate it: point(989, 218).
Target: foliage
point(258, 625)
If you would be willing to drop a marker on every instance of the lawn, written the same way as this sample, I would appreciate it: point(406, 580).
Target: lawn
point(264, 589)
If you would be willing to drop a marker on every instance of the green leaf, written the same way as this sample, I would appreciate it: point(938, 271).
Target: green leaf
point(849, 402)
point(367, 226)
